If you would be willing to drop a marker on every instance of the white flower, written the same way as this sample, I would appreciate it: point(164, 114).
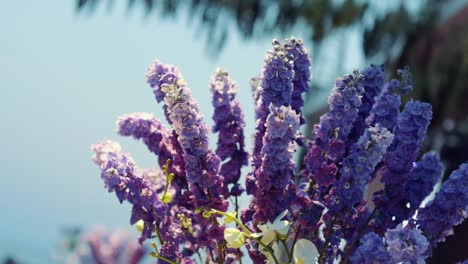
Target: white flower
point(270, 230)
point(234, 237)
point(305, 252)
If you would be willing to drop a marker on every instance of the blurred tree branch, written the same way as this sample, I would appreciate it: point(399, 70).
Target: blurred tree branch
point(251, 17)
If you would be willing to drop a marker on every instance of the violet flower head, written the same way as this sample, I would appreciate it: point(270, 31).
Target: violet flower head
point(387, 104)
point(277, 76)
point(373, 82)
point(295, 48)
point(386, 108)
point(155, 136)
point(409, 136)
point(275, 88)
point(116, 167)
point(277, 168)
point(371, 250)
point(407, 245)
point(183, 113)
point(344, 101)
point(357, 168)
point(422, 178)
point(119, 172)
point(328, 146)
point(139, 125)
point(229, 122)
point(447, 209)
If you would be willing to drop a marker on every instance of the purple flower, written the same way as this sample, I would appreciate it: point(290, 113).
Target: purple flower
point(229, 122)
point(357, 168)
point(157, 138)
point(295, 48)
point(328, 146)
point(409, 136)
point(387, 105)
point(422, 178)
point(406, 245)
point(122, 176)
point(449, 207)
point(183, 112)
point(371, 250)
point(277, 167)
point(275, 88)
point(373, 82)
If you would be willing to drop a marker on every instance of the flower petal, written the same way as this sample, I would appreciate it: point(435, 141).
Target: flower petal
point(305, 252)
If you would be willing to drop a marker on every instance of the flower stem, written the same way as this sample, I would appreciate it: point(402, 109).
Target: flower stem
point(287, 250)
point(295, 240)
point(272, 253)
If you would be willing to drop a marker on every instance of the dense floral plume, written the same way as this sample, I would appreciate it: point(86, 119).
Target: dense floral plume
point(229, 123)
point(358, 199)
point(449, 207)
point(277, 168)
point(411, 128)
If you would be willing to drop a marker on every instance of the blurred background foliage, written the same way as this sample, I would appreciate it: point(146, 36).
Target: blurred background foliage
point(430, 36)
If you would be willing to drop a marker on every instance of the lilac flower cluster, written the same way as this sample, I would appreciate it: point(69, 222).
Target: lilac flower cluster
point(399, 245)
point(277, 168)
point(357, 168)
point(449, 207)
point(331, 133)
point(155, 136)
point(358, 198)
point(229, 122)
point(409, 135)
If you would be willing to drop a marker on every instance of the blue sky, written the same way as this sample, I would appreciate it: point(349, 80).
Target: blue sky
point(65, 78)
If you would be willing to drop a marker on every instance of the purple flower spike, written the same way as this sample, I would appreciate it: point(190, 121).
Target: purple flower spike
point(100, 246)
point(295, 48)
point(229, 122)
point(275, 88)
point(422, 178)
point(357, 168)
point(449, 207)
point(344, 102)
point(332, 132)
point(156, 137)
point(277, 168)
point(409, 136)
point(373, 82)
point(387, 105)
point(120, 175)
point(372, 250)
point(183, 113)
point(406, 245)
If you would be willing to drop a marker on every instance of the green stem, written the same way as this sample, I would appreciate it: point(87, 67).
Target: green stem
point(211, 255)
point(295, 240)
point(199, 256)
point(287, 250)
point(159, 235)
point(166, 259)
point(272, 253)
